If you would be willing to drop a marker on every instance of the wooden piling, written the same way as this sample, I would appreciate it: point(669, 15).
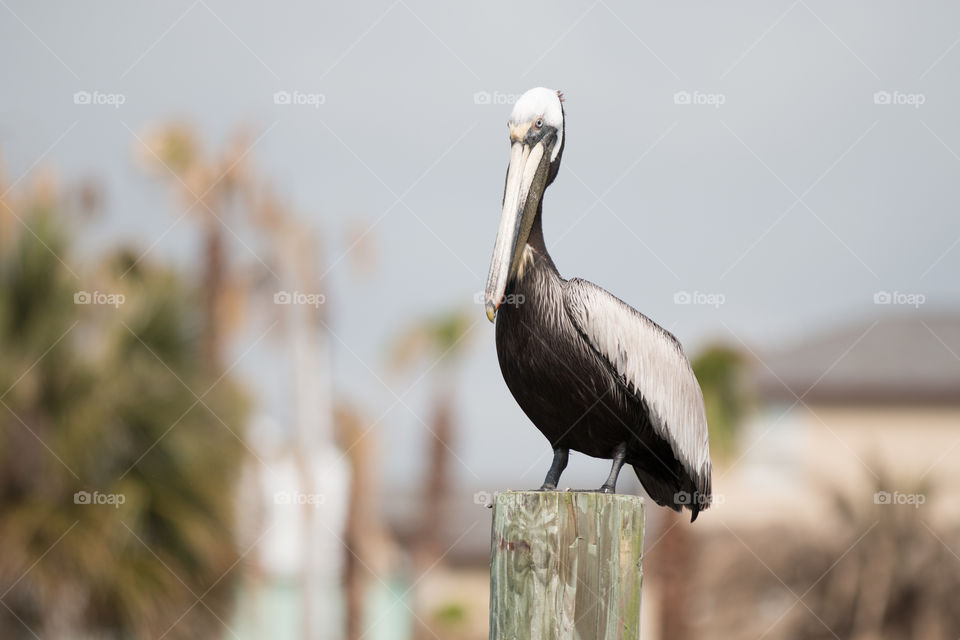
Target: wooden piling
point(565, 565)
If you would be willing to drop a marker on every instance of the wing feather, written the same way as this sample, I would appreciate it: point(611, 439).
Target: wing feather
point(650, 362)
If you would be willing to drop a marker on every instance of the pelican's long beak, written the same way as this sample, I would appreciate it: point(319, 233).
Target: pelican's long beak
point(526, 181)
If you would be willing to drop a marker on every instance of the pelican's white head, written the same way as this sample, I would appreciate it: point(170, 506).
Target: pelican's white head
point(538, 111)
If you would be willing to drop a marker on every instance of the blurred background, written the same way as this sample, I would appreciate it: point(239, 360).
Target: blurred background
point(247, 389)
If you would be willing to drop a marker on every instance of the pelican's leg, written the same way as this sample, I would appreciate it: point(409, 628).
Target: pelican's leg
point(619, 457)
point(559, 464)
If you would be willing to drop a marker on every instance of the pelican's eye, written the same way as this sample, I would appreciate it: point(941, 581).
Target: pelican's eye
point(538, 123)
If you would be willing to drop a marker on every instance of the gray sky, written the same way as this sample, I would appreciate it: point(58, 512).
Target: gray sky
point(796, 199)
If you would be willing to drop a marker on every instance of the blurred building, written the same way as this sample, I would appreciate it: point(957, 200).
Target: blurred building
point(837, 519)
point(293, 508)
point(844, 407)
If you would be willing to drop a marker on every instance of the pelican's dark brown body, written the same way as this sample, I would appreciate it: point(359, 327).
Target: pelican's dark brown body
point(567, 390)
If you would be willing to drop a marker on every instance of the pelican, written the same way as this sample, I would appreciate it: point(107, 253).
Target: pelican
point(592, 373)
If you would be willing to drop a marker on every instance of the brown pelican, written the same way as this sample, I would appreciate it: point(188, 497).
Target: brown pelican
point(592, 373)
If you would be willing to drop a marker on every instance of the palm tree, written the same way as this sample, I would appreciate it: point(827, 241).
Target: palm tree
point(220, 188)
point(118, 450)
point(439, 341)
point(721, 371)
point(210, 188)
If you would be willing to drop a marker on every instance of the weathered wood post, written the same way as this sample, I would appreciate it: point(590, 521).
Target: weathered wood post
point(565, 565)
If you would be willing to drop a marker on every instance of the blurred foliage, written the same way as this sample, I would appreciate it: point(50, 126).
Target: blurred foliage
point(442, 337)
point(879, 568)
point(452, 613)
point(899, 577)
point(721, 372)
point(175, 147)
point(114, 400)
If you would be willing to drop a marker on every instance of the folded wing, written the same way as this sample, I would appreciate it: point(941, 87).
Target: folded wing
point(650, 362)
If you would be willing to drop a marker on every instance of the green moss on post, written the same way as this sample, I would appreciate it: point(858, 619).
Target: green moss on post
point(565, 565)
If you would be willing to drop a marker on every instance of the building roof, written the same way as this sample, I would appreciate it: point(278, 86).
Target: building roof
point(908, 358)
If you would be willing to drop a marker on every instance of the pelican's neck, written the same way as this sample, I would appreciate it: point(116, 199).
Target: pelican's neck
point(535, 239)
